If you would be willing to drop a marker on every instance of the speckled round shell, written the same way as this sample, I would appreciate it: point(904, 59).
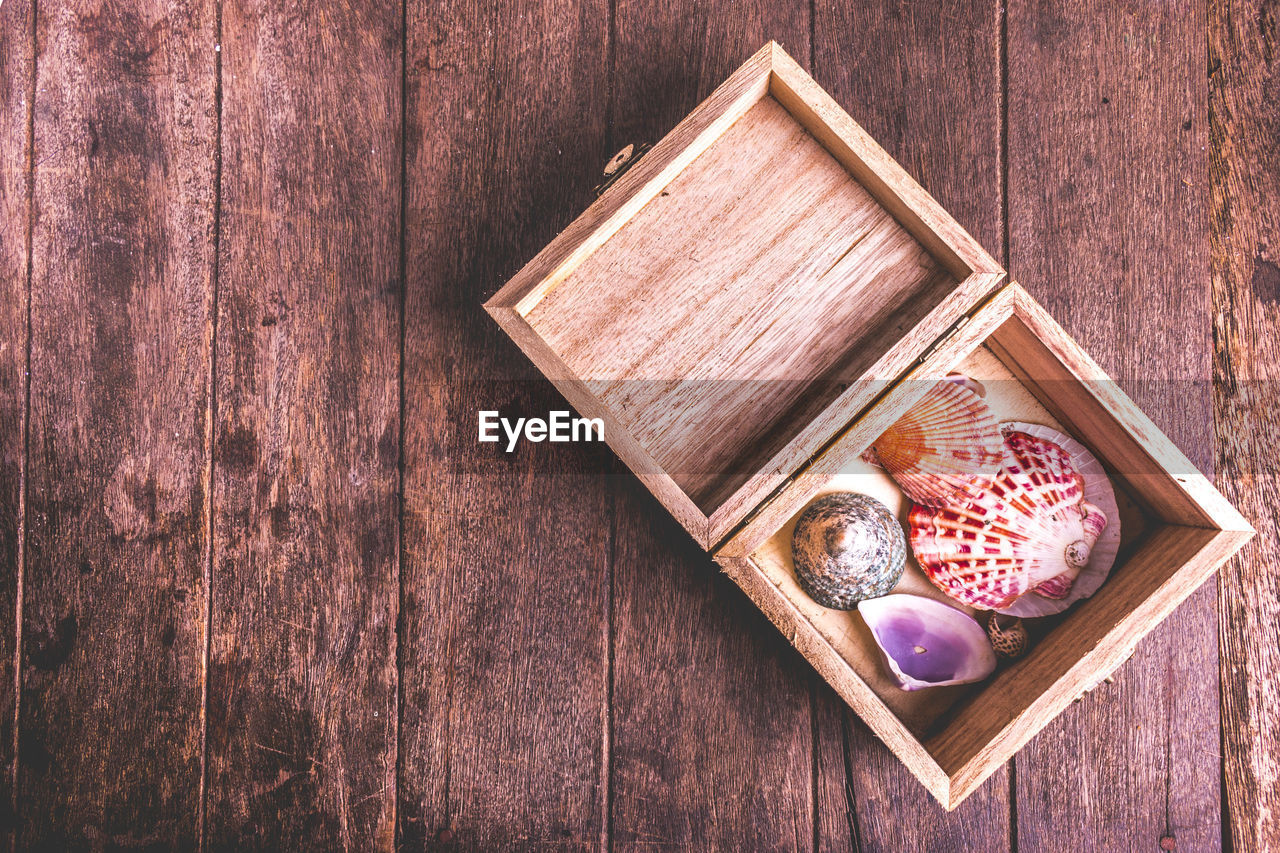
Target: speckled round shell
point(945, 447)
point(1008, 635)
point(1030, 530)
point(847, 547)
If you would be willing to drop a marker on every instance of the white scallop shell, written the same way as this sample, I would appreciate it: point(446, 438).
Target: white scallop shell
point(1097, 491)
point(1029, 530)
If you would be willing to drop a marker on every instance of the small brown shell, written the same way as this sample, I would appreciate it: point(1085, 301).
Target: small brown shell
point(1008, 635)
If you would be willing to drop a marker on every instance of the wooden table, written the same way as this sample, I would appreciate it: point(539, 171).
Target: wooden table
point(270, 591)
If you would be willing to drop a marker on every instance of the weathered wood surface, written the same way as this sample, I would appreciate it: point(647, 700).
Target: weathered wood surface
point(306, 435)
point(504, 619)
point(15, 216)
point(113, 618)
point(1107, 182)
point(912, 78)
point(1244, 174)
point(415, 638)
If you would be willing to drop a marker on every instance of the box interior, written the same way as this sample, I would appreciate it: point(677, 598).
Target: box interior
point(739, 303)
point(1159, 534)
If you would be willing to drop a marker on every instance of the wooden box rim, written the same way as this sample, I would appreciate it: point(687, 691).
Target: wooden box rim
point(770, 72)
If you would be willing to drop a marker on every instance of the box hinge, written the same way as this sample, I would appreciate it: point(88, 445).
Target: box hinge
point(620, 163)
point(946, 338)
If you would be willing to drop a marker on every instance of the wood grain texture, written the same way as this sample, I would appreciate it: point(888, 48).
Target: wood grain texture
point(504, 623)
point(16, 89)
point(712, 732)
point(121, 309)
point(1244, 172)
point(302, 683)
point(925, 82)
point(694, 321)
point(639, 184)
point(711, 710)
point(575, 674)
point(875, 168)
point(1106, 193)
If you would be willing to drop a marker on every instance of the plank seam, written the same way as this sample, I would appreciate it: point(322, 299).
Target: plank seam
point(21, 556)
point(1224, 793)
point(813, 36)
point(606, 751)
point(202, 814)
point(1169, 700)
point(1225, 838)
point(606, 734)
point(404, 301)
point(611, 60)
point(1002, 130)
point(814, 775)
point(850, 796)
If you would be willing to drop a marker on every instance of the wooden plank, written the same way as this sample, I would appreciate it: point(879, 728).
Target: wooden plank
point(302, 681)
point(1106, 228)
point(121, 309)
point(16, 89)
point(1244, 173)
point(925, 83)
point(504, 618)
point(711, 726)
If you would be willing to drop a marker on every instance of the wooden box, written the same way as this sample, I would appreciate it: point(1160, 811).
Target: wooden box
point(758, 298)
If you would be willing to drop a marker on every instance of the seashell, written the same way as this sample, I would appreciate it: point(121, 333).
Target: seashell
point(1097, 491)
point(869, 456)
point(847, 547)
point(944, 448)
point(1007, 634)
point(968, 382)
point(927, 643)
point(1031, 530)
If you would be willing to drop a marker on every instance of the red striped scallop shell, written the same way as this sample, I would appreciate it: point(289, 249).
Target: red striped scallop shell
point(1029, 531)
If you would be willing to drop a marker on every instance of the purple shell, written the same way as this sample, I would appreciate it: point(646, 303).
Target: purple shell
point(927, 643)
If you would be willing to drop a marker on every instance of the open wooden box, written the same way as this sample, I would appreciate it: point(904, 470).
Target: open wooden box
point(753, 303)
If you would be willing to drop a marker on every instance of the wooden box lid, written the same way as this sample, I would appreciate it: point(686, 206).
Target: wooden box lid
point(731, 303)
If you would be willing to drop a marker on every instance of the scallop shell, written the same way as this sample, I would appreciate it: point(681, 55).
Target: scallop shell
point(847, 547)
point(1031, 530)
point(927, 643)
point(1097, 491)
point(1007, 634)
point(945, 447)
